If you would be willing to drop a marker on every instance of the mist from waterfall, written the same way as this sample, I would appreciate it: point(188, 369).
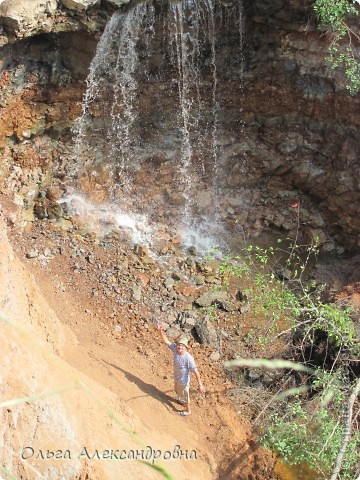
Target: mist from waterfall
point(125, 147)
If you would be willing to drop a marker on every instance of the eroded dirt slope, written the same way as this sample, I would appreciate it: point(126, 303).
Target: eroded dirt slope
point(117, 372)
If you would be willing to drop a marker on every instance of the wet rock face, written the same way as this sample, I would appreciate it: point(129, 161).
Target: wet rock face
point(284, 131)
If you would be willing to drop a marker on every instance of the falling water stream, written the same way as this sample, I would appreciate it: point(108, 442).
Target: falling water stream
point(95, 82)
point(187, 53)
point(123, 109)
point(111, 151)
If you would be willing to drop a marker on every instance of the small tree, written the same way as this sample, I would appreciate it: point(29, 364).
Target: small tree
point(315, 422)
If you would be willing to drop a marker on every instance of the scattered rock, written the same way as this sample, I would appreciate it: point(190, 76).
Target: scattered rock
point(207, 332)
point(137, 293)
point(215, 357)
point(186, 321)
point(53, 193)
point(212, 297)
point(32, 254)
point(79, 6)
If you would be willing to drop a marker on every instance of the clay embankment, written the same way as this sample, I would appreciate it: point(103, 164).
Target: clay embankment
point(117, 387)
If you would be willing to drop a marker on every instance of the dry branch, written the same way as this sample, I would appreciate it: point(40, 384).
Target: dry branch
point(347, 431)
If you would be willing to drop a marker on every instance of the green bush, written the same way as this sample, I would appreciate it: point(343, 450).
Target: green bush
point(334, 16)
point(310, 428)
point(313, 438)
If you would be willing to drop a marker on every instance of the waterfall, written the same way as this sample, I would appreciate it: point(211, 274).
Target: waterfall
point(193, 34)
point(193, 24)
point(147, 139)
point(94, 83)
point(112, 80)
point(123, 110)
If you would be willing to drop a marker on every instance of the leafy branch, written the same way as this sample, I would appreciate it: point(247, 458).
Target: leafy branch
point(312, 433)
point(335, 16)
point(310, 421)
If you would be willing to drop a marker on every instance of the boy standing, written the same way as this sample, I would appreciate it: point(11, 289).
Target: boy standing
point(183, 364)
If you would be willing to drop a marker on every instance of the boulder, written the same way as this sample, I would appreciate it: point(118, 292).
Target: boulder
point(16, 15)
point(117, 4)
point(207, 333)
point(79, 6)
point(211, 298)
point(187, 320)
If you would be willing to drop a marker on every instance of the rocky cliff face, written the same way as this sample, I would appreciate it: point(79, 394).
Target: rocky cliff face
point(279, 122)
point(304, 121)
